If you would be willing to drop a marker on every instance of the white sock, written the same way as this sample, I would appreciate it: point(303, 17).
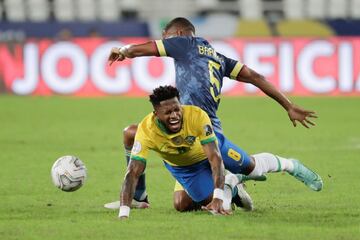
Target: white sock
point(227, 197)
point(230, 183)
point(267, 162)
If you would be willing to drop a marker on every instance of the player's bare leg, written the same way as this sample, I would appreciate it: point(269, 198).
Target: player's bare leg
point(183, 203)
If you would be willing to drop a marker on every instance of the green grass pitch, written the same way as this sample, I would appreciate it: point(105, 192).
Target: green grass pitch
point(35, 131)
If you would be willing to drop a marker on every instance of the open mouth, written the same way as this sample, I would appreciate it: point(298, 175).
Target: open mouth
point(174, 125)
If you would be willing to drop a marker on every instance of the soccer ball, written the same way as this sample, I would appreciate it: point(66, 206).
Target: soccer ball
point(68, 173)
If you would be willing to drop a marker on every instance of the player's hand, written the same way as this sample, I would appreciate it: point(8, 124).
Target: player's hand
point(215, 207)
point(301, 115)
point(115, 55)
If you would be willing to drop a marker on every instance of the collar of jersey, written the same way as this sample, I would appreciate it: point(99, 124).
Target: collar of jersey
point(163, 128)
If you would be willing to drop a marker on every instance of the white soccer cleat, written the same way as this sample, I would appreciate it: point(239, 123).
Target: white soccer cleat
point(134, 204)
point(243, 199)
point(113, 205)
point(140, 204)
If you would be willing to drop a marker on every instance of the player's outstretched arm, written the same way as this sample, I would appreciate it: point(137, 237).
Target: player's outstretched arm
point(131, 51)
point(295, 113)
point(134, 170)
point(217, 167)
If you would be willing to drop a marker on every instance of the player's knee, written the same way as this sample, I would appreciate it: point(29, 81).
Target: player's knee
point(182, 202)
point(129, 134)
point(248, 166)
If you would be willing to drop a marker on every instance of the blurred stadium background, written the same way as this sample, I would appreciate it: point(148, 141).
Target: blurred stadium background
point(305, 47)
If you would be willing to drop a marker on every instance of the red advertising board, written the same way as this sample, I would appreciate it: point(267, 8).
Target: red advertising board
point(297, 66)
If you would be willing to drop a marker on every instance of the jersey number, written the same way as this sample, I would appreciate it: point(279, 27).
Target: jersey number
point(215, 83)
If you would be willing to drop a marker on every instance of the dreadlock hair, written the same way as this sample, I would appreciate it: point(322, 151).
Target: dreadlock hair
point(182, 23)
point(163, 93)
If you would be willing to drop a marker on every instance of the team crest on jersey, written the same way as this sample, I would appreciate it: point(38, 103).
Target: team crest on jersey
point(208, 130)
point(178, 140)
point(190, 140)
point(136, 147)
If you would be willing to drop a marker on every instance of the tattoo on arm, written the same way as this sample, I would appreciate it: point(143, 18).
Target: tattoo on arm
point(134, 170)
point(216, 163)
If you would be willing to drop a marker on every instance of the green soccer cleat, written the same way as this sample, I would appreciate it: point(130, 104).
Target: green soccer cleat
point(307, 176)
point(244, 178)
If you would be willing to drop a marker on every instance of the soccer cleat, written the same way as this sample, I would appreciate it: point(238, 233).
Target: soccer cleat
point(112, 205)
point(134, 204)
point(140, 204)
point(244, 178)
point(242, 199)
point(307, 176)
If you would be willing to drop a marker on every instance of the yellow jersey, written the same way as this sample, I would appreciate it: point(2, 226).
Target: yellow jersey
point(183, 148)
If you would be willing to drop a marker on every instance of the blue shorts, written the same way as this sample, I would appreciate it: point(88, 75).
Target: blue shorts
point(235, 159)
point(196, 179)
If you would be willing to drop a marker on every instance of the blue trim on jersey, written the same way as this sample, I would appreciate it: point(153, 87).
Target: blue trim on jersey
point(196, 179)
point(235, 159)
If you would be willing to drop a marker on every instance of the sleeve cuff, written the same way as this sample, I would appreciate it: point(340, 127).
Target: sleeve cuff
point(236, 70)
point(208, 140)
point(137, 158)
point(161, 48)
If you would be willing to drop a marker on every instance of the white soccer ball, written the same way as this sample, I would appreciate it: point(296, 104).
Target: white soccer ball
point(68, 173)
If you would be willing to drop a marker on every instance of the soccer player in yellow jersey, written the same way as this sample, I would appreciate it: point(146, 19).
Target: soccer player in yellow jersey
point(200, 71)
point(184, 138)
